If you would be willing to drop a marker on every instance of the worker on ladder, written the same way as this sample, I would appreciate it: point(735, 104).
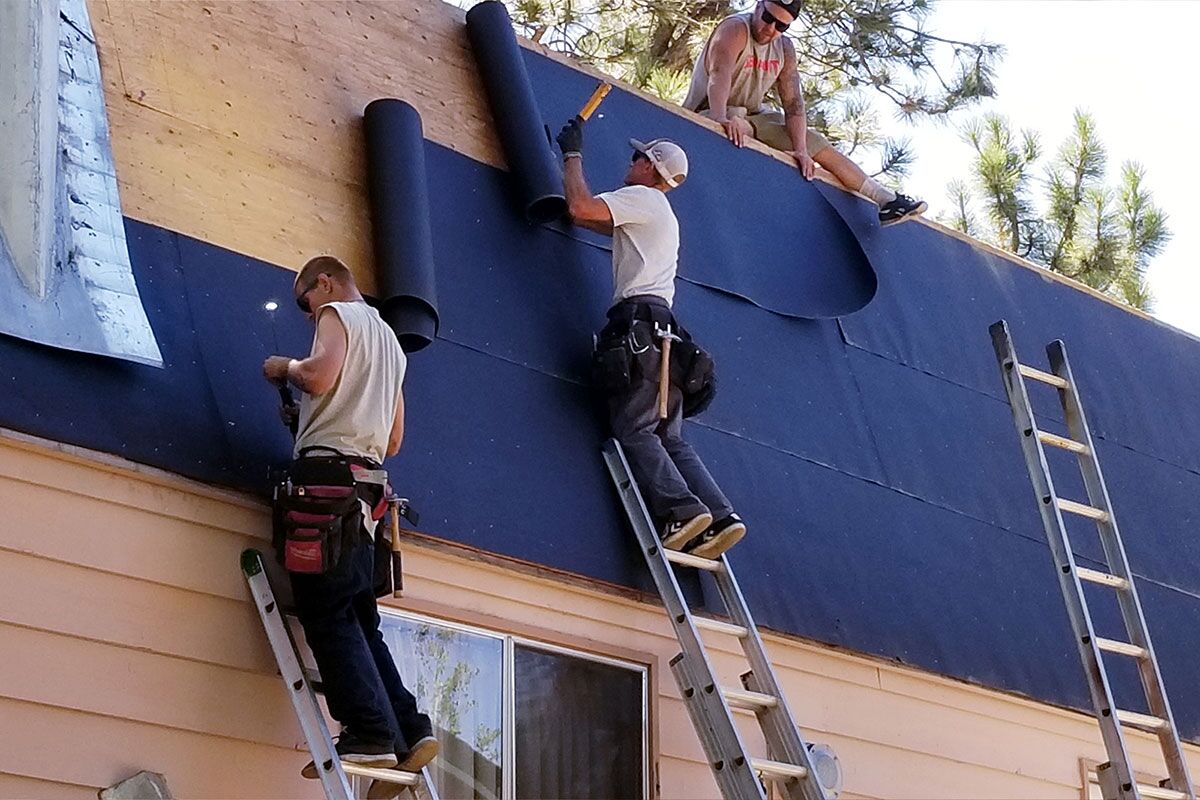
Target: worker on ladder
point(351, 416)
point(645, 392)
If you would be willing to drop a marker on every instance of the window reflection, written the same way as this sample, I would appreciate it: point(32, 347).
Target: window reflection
point(457, 679)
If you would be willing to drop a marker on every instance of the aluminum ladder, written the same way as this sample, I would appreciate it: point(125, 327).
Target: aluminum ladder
point(738, 776)
point(338, 778)
point(1117, 778)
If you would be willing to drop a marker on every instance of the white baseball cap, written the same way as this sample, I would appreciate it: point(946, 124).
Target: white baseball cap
point(668, 158)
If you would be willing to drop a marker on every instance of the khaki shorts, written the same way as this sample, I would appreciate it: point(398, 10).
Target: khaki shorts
point(770, 128)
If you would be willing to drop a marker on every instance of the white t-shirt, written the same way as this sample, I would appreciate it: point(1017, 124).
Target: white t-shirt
point(355, 416)
point(645, 242)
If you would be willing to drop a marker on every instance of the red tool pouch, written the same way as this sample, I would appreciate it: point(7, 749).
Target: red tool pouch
point(317, 515)
point(317, 521)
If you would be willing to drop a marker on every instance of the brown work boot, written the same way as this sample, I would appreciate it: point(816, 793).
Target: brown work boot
point(423, 751)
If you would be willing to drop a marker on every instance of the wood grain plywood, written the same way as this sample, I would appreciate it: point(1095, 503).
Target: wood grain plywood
point(239, 123)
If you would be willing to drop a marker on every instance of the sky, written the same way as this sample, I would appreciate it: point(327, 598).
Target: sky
point(1130, 65)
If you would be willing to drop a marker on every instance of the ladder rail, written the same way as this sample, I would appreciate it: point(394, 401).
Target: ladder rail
point(714, 716)
point(300, 692)
point(1099, 687)
point(782, 734)
point(1118, 564)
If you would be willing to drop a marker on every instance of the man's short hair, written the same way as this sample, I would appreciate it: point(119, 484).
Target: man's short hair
point(324, 265)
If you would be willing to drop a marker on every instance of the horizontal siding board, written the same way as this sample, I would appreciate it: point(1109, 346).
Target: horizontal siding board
point(56, 744)
point(100, 679)
point(63, 598)
point(36, 789)
point(139, 543)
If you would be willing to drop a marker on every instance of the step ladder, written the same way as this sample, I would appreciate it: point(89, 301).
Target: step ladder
point(338, 779)
point(1117, 778)
point(738, 775)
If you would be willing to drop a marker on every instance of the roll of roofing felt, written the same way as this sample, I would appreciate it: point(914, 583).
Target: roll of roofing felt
point(404, 262)
point(535, 173)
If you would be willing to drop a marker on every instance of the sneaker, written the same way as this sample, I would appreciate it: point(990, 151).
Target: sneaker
point(720, 536)
point(364, 752)
point(676, 535)
point(900, 209)
point(422, 752)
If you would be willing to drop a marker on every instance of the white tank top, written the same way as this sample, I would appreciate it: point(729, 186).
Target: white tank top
point(758, 68)
point(355, 416)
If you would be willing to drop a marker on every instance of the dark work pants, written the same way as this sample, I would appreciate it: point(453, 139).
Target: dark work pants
point(673, 480)
point(341, 623)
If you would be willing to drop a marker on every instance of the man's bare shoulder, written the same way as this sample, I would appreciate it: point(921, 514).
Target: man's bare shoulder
point(730, 34)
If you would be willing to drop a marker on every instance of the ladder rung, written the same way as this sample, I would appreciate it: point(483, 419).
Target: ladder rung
point(752, 701)
point(1102, 578)
point(1091, 512)
point(777, 769)
point(387, 775)
point(716, 626)
point(1123, 648)
point(689, 560)
point(1143, 722)
point(1044, 377)
point(1063, 442)
point(1161, 793)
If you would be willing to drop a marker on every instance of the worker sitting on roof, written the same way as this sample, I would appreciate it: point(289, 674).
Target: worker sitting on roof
point(351, 416)
point(746, 57)
point(681, 494)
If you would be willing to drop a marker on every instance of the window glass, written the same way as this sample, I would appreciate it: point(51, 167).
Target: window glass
point(579, 727)
point(457, 678)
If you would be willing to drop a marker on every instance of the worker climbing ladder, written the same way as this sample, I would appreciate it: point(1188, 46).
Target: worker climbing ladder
point(337, 777)
point(738, 776)
point(1117, 778)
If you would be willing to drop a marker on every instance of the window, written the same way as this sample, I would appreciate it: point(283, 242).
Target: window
point(518, 719)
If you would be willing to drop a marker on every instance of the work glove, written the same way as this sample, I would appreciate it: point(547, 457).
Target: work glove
point(570, 138)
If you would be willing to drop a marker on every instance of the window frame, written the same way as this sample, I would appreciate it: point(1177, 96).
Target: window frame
point(508, 714)
point(1089, 777)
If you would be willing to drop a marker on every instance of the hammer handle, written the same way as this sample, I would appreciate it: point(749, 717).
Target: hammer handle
point(594, 101)
point(397, 563)
point(664, 377)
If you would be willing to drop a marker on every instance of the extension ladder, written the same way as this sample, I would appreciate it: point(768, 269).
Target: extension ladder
point(331, 771)
point(738, 776)
point(1117, 778)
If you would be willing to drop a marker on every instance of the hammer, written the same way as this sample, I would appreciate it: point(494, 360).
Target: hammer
point(665, 337)
point(594, 101)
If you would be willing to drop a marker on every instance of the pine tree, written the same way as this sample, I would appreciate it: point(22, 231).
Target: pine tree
point(1103, 236)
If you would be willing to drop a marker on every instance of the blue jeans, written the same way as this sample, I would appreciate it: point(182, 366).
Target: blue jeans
point(674, 481)
point(341, 622)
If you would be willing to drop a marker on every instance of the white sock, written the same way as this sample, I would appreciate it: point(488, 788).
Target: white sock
point(873, 189)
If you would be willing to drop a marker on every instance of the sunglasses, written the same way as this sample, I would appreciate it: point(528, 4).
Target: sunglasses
point(637, 156)
point(770, 19)
point(302, 298)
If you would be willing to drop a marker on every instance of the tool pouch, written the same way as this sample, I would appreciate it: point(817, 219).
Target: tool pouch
point(694, 372)
point(612, 366)
point(317, 515)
